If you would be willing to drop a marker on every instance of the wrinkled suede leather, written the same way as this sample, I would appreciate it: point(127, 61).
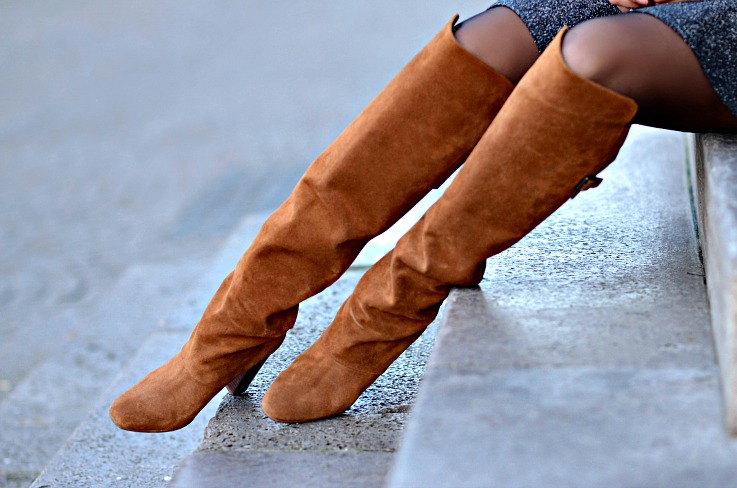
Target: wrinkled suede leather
point(555, 129)
point(409, 139)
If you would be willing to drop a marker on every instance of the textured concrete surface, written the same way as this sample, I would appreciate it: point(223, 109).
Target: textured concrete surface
point(585, 357)
point(570, 427)
point(278, 470)
point(714, 170)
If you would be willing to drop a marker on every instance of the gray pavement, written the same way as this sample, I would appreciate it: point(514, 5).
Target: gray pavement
point(350, 469)
point(39, 415)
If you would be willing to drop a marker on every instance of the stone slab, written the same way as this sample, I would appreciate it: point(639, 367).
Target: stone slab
point(714, 169)
point(586, 336)
point(349, 469)
point(585, 356)
point(570, 427)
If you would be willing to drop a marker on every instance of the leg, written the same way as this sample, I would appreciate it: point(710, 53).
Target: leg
point(639, 56)
point(408, 140)
point(564, 123)
point(556, 131)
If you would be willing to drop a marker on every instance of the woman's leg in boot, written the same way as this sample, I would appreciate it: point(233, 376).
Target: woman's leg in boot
point(555, 131)
point(409, 139)
point(563, 124)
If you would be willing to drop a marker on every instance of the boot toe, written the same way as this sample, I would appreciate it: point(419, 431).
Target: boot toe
point(143, 409)
point(165, 400)
point(313, 387)
point(131, 412)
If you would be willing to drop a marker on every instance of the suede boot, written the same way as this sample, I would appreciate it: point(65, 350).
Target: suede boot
point(554, 134)
point(417, 131)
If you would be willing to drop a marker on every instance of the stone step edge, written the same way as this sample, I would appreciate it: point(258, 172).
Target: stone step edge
point(713, 172)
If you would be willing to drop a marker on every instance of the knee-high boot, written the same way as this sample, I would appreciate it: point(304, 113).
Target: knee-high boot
point(554, 134)
point(414, 134)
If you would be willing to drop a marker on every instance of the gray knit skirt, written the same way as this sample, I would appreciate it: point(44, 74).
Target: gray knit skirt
point(709, 27)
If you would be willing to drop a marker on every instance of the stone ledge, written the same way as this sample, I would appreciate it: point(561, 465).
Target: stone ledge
point(272, 469)
point(585, 357)
point(713, 168)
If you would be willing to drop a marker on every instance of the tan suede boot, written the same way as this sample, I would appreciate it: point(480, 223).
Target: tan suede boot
point(417, 131)
point(554, 134)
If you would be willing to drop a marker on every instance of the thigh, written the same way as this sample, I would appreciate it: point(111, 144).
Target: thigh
point(641, 55)
point(709, 28)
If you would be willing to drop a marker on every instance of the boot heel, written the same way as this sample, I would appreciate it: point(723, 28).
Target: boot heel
point(239, 385)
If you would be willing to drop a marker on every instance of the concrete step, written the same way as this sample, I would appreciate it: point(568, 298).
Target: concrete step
point(137, 319)
point(714, 177)
point(585, 358)
point(347, 468)
point(45, 407)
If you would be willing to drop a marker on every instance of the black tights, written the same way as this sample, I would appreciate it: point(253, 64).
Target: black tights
point(636, 55)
